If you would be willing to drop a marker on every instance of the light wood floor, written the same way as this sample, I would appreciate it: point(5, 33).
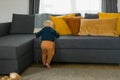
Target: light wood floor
point(76, 65)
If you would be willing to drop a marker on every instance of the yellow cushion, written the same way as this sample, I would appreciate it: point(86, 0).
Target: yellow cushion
point(98, 27)
point(73, 24)
point(60, 25)
point(111, 15)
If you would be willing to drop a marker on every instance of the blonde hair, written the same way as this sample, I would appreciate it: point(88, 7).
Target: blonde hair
point(48, 21)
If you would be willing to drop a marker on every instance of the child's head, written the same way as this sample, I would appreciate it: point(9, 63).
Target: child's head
point(48, 23)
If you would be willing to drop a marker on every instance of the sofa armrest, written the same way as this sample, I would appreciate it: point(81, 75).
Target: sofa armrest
point(4, 28)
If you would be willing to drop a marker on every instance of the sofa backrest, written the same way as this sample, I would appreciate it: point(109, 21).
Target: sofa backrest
point(40, 18)
point(4, 29)
point(22, 24)
point(91, 16)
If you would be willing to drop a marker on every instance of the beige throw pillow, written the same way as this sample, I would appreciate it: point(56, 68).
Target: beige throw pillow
point(98, 27)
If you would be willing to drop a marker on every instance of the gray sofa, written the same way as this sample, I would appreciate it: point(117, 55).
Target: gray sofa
point(19, 47)
point(82, 49)
point(16, 44)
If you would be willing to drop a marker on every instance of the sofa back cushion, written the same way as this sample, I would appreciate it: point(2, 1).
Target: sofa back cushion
point(91, 16)
point(4, 28)
point(22, 24)
point(98, 27)
point(112, 15)
point(76, 14)
point(60, 25)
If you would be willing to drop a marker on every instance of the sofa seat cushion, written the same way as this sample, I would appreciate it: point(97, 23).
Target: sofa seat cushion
point(84, 42)
point(14, 46)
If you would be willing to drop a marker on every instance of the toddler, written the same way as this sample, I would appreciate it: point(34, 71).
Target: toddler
point(48, 36)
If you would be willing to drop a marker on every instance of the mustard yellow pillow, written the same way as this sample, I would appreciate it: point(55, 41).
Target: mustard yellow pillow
point(60, 25)
point(111, 15)
point(98, 27)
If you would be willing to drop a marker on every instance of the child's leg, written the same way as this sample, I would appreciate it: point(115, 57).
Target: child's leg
point(51, 52)
point(44, 52)
point(44, 55)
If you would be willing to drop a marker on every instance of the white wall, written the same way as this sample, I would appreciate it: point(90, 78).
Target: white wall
point(8, 7)
point(118, 5)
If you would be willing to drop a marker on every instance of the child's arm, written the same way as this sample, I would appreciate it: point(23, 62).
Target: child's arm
point(38, 34)
point(56, 34)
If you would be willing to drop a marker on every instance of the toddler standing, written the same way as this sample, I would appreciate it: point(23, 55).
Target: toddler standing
point(48, 36)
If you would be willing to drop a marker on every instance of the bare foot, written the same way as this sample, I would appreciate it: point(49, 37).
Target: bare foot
point(48, 66)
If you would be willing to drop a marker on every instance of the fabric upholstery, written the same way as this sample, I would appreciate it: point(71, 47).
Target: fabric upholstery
point(14, 46)
point(77, 14)
point(16, 65)
point(4, 29)
point(112, 15)
point(60, 25)
point(22, 24)
point(84, 55)
point(98, 27)
point(87, 56)
point(72, 14)
point(73, 24)
point(83, 49)
point(91, 16)
point(84, 42)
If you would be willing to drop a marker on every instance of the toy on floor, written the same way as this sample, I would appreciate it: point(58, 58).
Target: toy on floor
point(12, 76)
